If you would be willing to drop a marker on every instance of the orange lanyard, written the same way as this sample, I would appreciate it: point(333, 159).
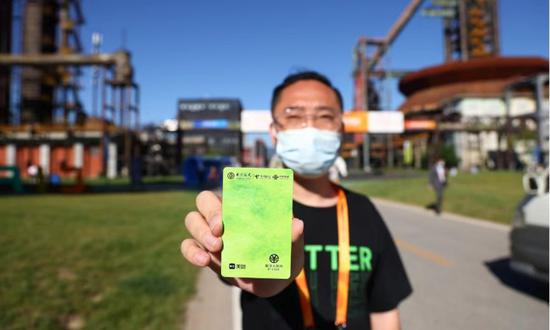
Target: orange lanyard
point(343, 272)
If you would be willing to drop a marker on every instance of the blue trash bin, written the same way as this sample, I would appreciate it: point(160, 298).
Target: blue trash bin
point(193, 169)
point(55, 180)
point(204, 172)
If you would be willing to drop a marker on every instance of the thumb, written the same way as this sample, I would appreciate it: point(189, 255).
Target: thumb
point(297, 230)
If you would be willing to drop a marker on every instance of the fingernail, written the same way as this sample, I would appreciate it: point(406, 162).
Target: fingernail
point(201, 258)
point(214, 222)
point(214, 228)
point(212, 242)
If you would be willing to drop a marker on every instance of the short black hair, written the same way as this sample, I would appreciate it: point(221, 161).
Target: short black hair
point(300, 76)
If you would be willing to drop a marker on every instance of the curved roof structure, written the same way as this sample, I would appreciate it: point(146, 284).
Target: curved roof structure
point(429, 88)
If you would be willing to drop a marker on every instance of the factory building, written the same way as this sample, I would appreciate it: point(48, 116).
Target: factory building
point(485, 108)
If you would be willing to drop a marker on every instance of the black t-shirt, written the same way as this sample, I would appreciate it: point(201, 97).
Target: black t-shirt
point(378, 281)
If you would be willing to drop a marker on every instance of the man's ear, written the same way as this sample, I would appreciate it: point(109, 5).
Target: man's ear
point(273, 133)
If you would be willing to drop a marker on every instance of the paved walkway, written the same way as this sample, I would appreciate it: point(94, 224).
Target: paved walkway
point(215, 306)
point(459, 269)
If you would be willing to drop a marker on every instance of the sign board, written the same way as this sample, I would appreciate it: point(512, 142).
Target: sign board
point(255, 121)
point(204, 109)
point(389, 122)
point(495, 107)
point(439, 12)
point(211, 124)
point(208, 124)
point(445, 3)
point(420, 125)
point(355, 121)
point(377, 122)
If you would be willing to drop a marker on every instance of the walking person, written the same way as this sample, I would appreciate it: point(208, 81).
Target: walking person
point(438, 181)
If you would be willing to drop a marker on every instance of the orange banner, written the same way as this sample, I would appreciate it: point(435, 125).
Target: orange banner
point(355, 122)
point(420, 125)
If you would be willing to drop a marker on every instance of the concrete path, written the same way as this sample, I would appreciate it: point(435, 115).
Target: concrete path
point(460, 273)
point(215, 306)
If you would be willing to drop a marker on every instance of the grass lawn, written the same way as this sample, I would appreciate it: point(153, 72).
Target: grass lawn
point(146, 180)
point(102, 181)
point(487, 195)
point(108, 261)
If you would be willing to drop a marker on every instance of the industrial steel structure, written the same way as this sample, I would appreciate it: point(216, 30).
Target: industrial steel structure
point(42, 118)
point(366, 69)
point(442, 104)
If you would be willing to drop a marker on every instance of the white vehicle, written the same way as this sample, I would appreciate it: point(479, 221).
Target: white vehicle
point(529, 235)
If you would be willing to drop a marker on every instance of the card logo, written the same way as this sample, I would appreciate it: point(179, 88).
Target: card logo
point(257, 176)
point(237, 266)
point(273, 258)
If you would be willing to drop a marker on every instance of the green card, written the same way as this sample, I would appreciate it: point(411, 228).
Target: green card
point(257, 221)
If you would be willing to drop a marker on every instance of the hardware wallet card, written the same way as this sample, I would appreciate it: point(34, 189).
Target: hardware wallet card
point(257, 220)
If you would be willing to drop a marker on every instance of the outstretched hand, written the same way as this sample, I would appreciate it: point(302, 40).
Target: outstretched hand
point(204, 247)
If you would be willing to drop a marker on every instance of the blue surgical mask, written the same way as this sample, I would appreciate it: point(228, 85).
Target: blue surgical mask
point(308, 151)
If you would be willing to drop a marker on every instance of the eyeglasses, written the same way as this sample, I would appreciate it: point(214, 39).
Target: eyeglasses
point(323, 118)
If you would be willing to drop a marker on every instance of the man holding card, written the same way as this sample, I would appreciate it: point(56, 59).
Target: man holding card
point(345, 269)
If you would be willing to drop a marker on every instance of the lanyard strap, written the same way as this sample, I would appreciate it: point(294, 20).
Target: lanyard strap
point(343, 272)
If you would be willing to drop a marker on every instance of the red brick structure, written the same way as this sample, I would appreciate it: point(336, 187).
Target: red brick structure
point(59, 149)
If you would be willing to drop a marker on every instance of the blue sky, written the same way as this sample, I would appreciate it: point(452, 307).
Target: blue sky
point(244, 48)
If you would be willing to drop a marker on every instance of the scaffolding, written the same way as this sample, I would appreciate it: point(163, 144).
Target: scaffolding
point(368, 54)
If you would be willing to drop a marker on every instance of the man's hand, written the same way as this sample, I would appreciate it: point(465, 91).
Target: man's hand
point(204, 248)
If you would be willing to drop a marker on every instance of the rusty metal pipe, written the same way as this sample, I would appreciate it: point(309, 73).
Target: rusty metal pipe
point(56, 59)
point(394, 32)
point(120, 61)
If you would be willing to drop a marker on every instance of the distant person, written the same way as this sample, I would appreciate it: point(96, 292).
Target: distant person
point(213, 175)
point(32, 171)
point(474, 169)
point(41, 180)
point(136, 170)
point(338, 170)
point(438, 181)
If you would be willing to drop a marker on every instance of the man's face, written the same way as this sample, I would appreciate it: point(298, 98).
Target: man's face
point(306, 103)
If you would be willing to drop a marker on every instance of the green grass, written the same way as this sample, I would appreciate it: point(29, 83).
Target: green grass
point(487, 195)
point(111, 261)
point(101, 181)
point(146, 180)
